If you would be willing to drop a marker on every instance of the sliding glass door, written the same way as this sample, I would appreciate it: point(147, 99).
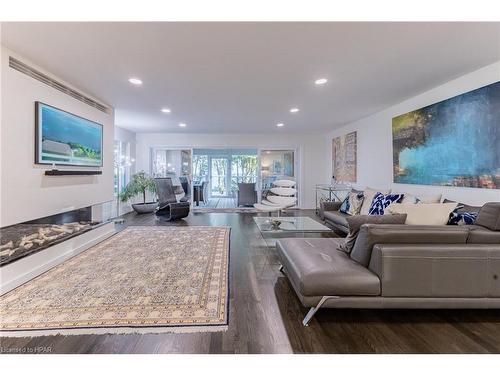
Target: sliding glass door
point(243, 169)
point(223, 169)
point(219, 177)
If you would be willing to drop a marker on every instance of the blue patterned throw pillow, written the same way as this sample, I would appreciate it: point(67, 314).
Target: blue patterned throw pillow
point(380, 202)
point(352, 203)
point(462, 218)
point(345, 205)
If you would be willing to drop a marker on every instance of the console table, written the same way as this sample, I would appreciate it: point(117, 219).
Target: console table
point(330, 193)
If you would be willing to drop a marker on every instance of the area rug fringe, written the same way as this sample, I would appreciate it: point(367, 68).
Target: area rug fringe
point(114, 331)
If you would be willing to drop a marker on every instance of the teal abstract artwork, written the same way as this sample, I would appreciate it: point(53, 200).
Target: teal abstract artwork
point(455, 142)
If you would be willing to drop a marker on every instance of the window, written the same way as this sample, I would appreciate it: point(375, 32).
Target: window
point(243, 169)
point(200, 168)
point(170, 162)
point(219, 176)
point(276, 164)
point(122, 164)
point(159, 163)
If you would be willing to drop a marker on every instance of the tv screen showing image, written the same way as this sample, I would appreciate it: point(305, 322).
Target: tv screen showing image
point(66, 139)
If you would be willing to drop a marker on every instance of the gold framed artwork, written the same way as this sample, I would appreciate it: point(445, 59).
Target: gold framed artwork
point(344, 157)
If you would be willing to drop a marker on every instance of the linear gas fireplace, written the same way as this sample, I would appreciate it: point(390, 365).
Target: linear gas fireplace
point(20, 240)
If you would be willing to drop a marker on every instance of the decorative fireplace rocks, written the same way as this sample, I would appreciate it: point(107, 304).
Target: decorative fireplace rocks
point(20, 240)
point(24, 239)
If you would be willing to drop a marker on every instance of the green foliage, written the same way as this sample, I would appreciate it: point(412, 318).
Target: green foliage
point(140, 183)
point(84, 152)
point(407, 120)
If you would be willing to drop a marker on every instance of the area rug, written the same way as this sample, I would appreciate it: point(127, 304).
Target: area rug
point(144, 279)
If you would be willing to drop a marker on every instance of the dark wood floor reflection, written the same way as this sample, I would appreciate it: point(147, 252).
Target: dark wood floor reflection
point(265, 315)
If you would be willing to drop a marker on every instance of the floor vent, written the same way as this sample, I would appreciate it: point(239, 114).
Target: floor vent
point(39, 76)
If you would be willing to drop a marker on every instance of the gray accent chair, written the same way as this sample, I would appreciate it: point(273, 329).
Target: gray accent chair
point(200, 192)
point(168, 207)
point(203, 192)
point(399, 266)
point(186, 187)
point(246, 194)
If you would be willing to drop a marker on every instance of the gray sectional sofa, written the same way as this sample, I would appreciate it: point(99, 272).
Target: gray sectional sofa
point(329, 212)
point(399, 266)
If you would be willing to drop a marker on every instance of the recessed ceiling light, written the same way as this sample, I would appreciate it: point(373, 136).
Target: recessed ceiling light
point(165, 110)
point(321, 81)
point(135, 81)
point(280, 125)
point(182, 125)
point(294, 110)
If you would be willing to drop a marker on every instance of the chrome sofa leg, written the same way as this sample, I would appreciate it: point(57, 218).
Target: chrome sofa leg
point(313, 310)
point(308, 316)
point(281, 269)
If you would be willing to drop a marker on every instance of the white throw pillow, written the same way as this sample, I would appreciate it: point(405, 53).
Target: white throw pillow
point(429, 198)
point(367, 201)
point(411, 198)
point(423, 214)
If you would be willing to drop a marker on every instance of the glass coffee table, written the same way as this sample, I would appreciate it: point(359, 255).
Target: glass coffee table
point(297, 226)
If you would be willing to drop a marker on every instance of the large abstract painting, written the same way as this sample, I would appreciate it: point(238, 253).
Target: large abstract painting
point(344, 150)
point(455, 142)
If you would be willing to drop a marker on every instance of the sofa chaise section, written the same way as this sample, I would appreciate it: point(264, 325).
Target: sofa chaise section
point(399, 266)
point(318, 268)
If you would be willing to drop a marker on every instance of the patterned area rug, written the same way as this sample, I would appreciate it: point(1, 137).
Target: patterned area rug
point(147, 279)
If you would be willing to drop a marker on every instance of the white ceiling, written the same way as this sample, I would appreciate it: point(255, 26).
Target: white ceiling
point(244, 77)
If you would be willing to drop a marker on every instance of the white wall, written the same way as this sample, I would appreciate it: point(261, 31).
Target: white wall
point(312, 152)
point(374, 139)
point(26, 192)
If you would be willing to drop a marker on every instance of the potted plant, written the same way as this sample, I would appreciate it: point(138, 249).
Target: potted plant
point(139, 184)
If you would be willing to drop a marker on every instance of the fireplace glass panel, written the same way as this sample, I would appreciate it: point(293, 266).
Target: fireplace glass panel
point(29, 237)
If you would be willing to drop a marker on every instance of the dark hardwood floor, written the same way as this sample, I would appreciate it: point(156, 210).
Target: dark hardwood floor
point(265, 315)
point(219, 203)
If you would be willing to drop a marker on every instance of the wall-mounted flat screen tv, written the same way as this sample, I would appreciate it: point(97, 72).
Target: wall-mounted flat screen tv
point(66, 139)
